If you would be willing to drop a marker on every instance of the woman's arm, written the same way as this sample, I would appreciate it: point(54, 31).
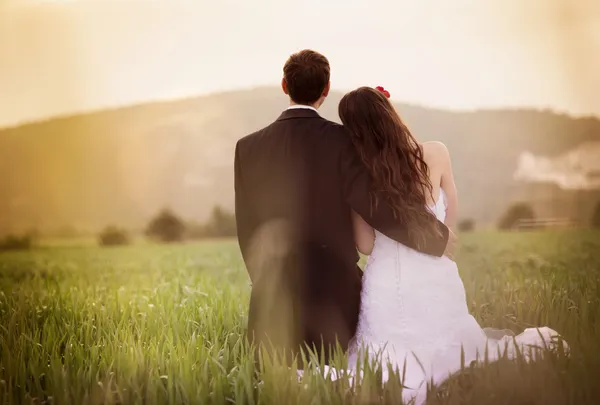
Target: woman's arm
point(449, 187)
point(364, 235)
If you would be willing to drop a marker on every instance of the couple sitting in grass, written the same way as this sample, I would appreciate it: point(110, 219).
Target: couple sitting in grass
point(309, 193)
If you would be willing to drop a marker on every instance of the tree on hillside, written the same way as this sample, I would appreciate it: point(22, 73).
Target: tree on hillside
point(222, 223)
point(113, 236)
point(166, 227)
point(514, 214)
point(596, 217)
point(466, 225)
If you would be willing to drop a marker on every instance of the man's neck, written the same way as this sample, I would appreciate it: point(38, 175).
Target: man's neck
point(306, 106)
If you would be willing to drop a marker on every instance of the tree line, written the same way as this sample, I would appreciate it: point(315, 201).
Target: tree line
point(168, 227)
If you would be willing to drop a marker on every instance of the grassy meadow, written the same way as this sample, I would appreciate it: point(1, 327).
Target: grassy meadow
point(149, 324)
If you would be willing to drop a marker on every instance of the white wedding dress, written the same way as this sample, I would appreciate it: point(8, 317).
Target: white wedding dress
point(414, 309)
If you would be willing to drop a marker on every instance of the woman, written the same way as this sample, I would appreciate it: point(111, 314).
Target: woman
point(413, 306)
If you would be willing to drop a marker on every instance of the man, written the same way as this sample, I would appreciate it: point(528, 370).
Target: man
point(296, 182)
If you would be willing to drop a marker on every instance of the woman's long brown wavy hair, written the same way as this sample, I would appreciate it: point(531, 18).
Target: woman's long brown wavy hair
point(393, 157)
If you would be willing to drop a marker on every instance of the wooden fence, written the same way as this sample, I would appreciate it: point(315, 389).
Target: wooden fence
point(541, 223)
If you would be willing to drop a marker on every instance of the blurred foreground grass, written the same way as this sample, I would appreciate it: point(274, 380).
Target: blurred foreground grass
point(165, 324)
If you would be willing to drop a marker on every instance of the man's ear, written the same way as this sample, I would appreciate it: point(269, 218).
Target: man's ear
point(284, 87)
point(326, 89)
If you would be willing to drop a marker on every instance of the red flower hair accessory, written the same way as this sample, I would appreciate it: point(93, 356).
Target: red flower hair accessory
point(384, 91)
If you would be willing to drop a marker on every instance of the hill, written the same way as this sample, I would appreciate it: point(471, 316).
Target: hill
point(121, 166)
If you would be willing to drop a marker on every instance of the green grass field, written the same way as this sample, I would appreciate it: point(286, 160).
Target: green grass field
point(165, 324)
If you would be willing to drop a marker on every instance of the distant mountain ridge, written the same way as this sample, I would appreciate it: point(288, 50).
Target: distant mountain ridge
point(121, 166)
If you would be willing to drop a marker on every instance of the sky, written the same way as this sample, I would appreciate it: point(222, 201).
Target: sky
point(62, 57)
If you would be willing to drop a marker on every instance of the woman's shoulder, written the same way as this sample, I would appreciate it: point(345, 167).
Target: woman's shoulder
point(435, 153)
point(434, 147)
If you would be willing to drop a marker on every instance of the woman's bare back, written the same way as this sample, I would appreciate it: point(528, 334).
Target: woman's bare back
point(438, 161)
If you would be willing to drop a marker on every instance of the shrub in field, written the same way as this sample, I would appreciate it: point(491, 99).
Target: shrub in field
point(113, 236)
point(221, 224)
point(514, 214)
point(14, 242)
point(596, 217)
point(466, 225)
point(166, 227)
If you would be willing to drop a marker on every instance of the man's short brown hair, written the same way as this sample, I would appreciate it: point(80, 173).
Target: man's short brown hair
point(306, 73)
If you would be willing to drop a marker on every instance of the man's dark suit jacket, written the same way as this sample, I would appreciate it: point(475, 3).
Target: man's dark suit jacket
point(296, 182)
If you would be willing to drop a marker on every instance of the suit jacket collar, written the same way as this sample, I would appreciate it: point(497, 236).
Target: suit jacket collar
point(293, 113)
